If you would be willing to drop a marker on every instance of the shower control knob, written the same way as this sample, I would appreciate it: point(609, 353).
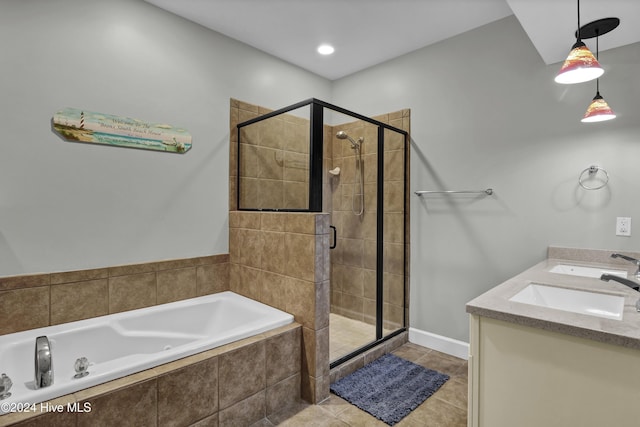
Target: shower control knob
point(81, 366)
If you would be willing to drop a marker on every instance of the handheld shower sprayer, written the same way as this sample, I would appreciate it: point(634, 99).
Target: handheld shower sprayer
point(358, 187)
point(354, 144)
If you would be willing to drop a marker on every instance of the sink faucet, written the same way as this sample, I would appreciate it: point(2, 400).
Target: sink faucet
point(630, 283)
point(43, 363)
point(633, 260)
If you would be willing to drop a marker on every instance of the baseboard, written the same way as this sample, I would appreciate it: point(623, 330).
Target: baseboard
point(440, 343)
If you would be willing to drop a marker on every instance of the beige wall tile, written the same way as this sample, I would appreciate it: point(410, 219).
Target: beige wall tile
point(273, 255)
point(248, 283)
point(132, 406)
point(394, 258)
point(296, 195)
point(211, 421)
point(283, 354)
point(270, 194)
point(213, 278)
point(241, 374)
point(296, 167)
point(249, 220)
point(283, 394)
point(300, 255)
point(251, 244)
point(272, 130)
point(248, 193)
point(131, 292)
point(24, 281)
point(126, 270)
point(301, 223)
point(23, 309)
point(189, 394)
point(394, 165)
point(81, 300)
point(274, 290)
point(352, 252)
point(270, 163)
point(322, 303)
point(245, 412)
point(301, 300)
point(271, 221)
point(174, 264)
point(79, 276)
point(176, 285)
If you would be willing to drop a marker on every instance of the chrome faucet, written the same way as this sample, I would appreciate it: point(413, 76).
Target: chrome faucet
point(43, 363)
point(630, 283)
point(633, 260)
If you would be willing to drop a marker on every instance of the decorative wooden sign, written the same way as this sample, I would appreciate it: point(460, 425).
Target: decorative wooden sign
point(85, 126)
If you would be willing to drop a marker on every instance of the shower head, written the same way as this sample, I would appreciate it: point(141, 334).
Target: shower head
point(354, 144)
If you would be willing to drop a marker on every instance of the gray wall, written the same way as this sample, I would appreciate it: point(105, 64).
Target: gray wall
point(67, 206)
point(486, 113)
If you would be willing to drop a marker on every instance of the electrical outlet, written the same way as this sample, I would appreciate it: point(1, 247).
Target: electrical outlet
point(623, 226)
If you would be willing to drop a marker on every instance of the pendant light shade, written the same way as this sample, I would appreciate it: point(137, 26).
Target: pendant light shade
point(598, 111)
point(580, 66)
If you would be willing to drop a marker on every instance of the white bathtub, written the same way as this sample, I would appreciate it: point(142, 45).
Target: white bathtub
point(124, 343)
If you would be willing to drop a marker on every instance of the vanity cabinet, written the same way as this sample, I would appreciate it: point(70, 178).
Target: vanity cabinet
point(526, 376)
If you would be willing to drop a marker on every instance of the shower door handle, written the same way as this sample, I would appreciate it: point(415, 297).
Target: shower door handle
point(335, 237)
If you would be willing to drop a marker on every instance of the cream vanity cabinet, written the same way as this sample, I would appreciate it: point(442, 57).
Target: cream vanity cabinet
point(535, 366)
point(522, 376)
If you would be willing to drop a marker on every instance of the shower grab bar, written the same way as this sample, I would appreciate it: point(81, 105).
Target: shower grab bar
point(488, 192)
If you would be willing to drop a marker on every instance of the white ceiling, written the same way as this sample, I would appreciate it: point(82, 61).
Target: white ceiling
point(368, 32)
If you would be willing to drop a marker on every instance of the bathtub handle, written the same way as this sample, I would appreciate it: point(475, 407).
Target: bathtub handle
point(335, 237)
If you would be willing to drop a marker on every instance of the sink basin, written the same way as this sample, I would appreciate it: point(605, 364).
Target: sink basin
point(579, 270)
point(608, 306)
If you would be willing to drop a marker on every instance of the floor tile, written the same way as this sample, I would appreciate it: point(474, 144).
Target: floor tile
point(447, 407)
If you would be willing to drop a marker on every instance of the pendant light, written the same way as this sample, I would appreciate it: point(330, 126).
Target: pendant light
point(598, 110)
point(580, 66)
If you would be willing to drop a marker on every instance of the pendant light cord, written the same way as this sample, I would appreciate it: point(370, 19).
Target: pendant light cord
point(597, 59)
point(579, 38)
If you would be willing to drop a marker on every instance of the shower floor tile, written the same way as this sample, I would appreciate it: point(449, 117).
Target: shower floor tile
point(346, 335)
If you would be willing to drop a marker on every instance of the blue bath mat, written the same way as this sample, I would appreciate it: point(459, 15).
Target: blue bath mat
point(389, 388)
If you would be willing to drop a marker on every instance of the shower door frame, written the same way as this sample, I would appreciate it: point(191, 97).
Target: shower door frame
point(316, 140)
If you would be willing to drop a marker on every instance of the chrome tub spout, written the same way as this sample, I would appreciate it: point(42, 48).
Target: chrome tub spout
point(43, 363)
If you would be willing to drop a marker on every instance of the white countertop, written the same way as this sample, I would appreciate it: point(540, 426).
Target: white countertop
point(626, 332)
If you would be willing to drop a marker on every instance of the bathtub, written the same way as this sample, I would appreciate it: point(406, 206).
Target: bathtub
point(121, 344)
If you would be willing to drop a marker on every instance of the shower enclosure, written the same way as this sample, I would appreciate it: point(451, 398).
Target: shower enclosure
point(317, 157)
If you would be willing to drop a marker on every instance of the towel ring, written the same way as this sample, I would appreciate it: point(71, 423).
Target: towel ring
point(592, 171)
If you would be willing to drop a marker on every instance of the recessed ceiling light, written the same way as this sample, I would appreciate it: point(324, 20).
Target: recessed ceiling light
point(325, 49)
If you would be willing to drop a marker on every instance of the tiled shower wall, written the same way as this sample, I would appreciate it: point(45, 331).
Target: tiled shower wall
point(353, 261)
point(274, 168)
point(39, 300)
point(282, 259)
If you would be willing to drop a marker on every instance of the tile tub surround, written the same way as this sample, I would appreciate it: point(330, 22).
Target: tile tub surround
point(626, 332)
point(282, 259)
point(237, 384)
point(38, 300)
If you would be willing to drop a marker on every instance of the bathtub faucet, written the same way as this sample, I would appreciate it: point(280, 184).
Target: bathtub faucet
point(43, 363)
point(633, 260)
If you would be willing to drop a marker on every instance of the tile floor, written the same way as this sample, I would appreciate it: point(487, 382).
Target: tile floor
point(445, 408)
